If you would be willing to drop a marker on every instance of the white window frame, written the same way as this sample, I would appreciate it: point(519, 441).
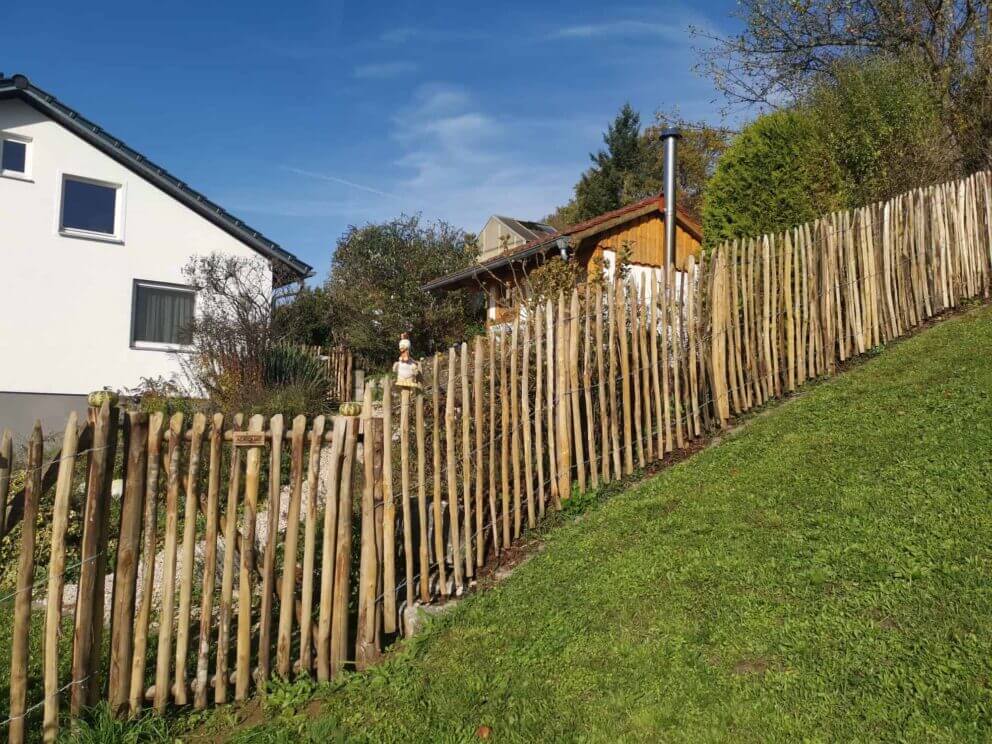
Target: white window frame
point(119, 210)
point(155, 345)
point(26, 141)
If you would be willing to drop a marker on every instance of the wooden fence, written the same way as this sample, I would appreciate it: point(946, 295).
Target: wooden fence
point(245, 549)
point(340, 370)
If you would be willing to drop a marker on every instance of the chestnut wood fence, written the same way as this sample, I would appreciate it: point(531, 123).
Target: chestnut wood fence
point(340, 370)
point(242, 549)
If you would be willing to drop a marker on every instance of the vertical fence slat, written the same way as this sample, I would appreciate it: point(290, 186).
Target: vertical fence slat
point(56, 578)
point(333, 487)
point(601, 387)
point(209, 559)
point(190, 518)
point(451, 467)
point(515, 423)
point(538, 405)
point(253, 468)
point(551, 414)
point(6, 466)
point(611, 325)
point(136, 694)
point(438, 475)
point(128, 549)
point(423, 546)
point(574, 342)
point(269, 591)
point(25, 582)
point(287, 587)
point(408, 556)
point(343, 557)
point(389, 502)
point(494, 360)
point(369, 561)
point(88, 635)
point(642, 339)
point(466, 413)
point(229, 524)
point(168, 565)
point(590, 417)
point(563, 404)
point(525, 422)
point(480, 426)
point(625, 413)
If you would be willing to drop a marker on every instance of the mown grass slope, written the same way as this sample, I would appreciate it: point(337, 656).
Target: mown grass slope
point(825, 574)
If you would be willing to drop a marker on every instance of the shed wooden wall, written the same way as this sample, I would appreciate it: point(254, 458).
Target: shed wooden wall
point(646, 236)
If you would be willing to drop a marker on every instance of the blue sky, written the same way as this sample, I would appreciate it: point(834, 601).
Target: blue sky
point(303, 118)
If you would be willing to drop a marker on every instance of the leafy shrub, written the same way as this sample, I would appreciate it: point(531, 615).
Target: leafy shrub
point(775, 174)
point(883, 129)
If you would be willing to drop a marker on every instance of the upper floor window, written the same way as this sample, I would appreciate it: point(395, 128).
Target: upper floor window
point(13, 156)
point(91, 208)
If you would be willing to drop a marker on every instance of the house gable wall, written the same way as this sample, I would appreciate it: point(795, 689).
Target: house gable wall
point(492, 236)
point(66, 302)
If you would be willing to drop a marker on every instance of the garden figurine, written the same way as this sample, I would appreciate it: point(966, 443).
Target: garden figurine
point(406, 369)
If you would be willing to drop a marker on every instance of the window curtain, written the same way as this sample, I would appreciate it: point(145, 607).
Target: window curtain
point(163, 315)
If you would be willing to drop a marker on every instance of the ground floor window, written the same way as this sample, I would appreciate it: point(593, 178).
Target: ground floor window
point(162, 315)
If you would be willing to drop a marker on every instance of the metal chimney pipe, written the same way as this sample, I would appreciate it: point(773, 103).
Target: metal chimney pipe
point(670, 138)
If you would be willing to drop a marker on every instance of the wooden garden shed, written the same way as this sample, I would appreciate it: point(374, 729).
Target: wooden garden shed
point(640, 227)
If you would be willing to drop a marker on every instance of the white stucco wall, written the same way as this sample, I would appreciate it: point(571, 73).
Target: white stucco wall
point(65, 302)
point(639, 273)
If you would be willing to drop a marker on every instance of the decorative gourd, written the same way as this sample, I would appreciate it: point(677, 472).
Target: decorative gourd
point(352, 408)
point(97, 398)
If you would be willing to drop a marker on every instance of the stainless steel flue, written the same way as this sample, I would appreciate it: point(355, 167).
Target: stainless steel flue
point(670, 138)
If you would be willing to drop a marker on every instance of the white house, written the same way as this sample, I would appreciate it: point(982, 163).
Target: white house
point(93, 239)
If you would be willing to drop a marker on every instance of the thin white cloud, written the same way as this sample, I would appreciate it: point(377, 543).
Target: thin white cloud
point(398, 35)
point(383, 70)
point(622, 29)
point(461, 163)
point(342, 181)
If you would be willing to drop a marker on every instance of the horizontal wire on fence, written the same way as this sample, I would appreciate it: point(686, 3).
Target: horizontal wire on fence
point(42, 582)
point(28, 711)
point(47, 465)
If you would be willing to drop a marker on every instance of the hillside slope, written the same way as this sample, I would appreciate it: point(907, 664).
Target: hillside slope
point(823, 574)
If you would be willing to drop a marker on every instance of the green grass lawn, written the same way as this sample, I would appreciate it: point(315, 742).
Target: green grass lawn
point(823, 575)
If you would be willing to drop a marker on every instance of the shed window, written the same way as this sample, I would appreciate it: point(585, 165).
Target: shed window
point(163, 314)
point(90, 207)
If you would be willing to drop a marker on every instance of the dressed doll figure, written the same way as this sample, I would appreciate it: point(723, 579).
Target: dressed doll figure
point(406, 369)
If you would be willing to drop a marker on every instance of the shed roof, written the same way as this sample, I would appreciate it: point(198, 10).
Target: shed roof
point(286, 267)
point(578, 231)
